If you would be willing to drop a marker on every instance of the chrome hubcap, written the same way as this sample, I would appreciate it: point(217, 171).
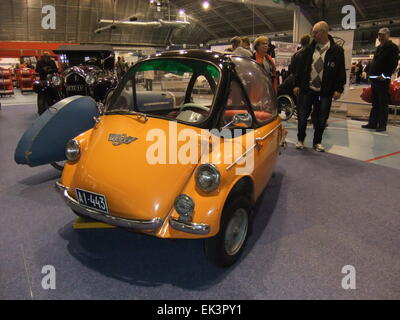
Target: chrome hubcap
point(236, 231)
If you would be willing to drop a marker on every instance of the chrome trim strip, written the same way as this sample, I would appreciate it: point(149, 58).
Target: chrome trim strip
point(193, 228)
point(269, 133)
point(111, 219)
point(252, 147)
point(241, 157)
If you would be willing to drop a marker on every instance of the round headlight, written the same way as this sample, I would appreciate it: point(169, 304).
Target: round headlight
point(56, 80)
point(72, 150)
point(90, 79)
point(207, 177)
point(184, 205)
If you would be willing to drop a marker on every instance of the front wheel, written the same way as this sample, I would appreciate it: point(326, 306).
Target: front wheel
point(225, 248)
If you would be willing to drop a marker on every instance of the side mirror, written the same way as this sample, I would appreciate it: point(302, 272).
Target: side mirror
point(242, 120)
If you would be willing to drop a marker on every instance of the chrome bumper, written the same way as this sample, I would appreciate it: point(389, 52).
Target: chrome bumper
point(194, 228)
point(139, 225)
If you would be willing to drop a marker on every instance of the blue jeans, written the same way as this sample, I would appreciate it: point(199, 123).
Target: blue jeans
point(322, 107)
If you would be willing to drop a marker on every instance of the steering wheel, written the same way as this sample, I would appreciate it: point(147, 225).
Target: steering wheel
point(194, 106)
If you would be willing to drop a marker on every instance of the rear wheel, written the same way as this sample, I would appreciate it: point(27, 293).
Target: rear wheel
point(225, 248)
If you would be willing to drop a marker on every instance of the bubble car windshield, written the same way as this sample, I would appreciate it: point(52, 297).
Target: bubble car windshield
point(171, 88)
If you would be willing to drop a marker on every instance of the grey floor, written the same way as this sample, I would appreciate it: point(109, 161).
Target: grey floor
point(346, 138)
point(318, 214)
point(18, 98)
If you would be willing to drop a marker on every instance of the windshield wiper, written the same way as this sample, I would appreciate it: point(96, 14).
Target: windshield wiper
point(130, 112)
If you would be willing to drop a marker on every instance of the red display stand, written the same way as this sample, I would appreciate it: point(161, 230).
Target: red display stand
point(394, 93)
point(6, 82)
point(25, 78)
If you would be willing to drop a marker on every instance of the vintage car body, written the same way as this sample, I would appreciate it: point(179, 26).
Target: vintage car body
point(90, 72)
point(118, 172)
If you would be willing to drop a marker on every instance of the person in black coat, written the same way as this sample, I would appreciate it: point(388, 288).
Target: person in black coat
point(382, 67)
point(45, 66)
point(320, 76)
point(304, 41)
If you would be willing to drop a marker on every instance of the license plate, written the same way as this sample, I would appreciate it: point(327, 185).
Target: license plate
point(76, 87)
point(92, 200)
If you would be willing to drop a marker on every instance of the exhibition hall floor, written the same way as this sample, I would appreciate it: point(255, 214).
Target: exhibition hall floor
point(346, 138)
point(320, 213)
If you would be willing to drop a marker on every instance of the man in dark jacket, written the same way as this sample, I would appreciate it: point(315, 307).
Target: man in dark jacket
point(45, 66)
point(381, 68)
point(320, 75)
point(304, 41)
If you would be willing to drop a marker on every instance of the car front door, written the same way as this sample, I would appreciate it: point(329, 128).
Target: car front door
point(259, 88)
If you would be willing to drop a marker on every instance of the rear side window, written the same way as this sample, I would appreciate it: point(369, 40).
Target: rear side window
point(259, 88)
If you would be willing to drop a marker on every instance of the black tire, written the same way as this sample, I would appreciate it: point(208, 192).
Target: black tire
point(218, 249)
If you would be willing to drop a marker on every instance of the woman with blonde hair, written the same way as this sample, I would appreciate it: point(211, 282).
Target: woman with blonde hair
point(261, 46)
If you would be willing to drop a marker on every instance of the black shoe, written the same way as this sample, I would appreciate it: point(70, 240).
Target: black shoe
point(380, 129)
point(367, 126)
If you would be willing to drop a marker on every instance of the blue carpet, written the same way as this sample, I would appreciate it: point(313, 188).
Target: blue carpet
point(319, 213)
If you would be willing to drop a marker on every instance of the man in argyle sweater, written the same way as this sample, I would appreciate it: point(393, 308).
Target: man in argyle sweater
point(320, 76)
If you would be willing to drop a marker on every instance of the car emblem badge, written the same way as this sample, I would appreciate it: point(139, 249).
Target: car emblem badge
point(118, 139)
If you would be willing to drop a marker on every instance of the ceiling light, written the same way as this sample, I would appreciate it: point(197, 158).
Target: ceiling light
point(206, 4)
point(181, 12)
